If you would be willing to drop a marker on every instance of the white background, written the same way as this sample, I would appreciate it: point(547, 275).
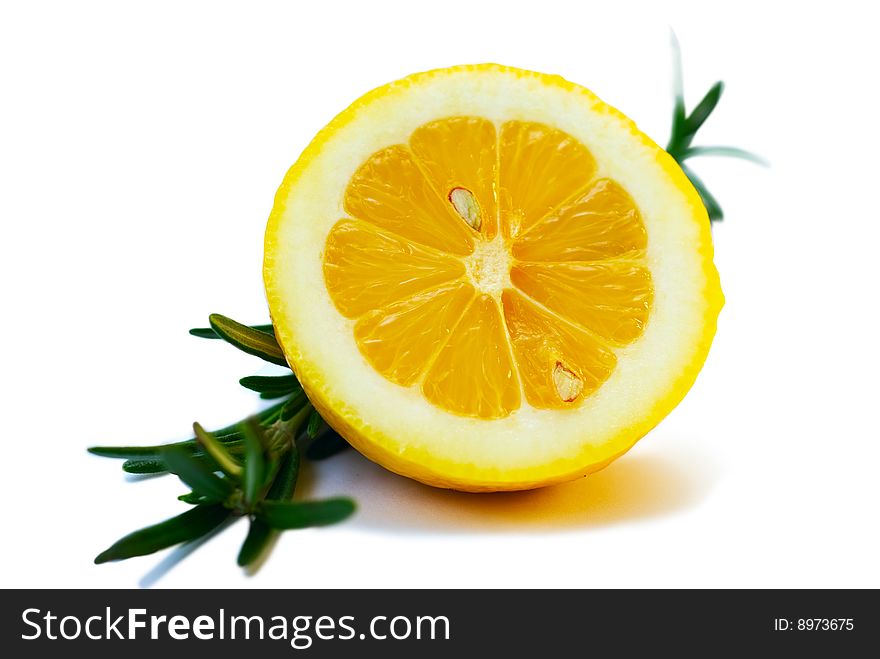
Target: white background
point(140, 148)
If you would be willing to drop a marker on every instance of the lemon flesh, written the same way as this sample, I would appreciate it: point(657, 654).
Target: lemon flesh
point(487, 279)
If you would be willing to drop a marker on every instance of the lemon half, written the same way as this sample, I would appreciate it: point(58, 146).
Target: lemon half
point(487, 279)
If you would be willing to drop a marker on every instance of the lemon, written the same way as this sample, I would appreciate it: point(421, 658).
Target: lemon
point(487, 279)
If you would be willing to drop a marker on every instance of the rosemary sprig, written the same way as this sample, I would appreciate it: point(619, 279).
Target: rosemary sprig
point(685, 127)
point(248, 469)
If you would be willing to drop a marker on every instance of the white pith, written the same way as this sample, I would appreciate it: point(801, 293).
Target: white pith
point(327, 354)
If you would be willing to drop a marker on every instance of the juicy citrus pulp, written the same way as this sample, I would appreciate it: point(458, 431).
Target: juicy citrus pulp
point(479, 300)
point(485, 278)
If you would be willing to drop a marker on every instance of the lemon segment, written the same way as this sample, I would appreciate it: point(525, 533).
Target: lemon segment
point(474, 373)
point(603, 223)
point(540, 167)
point(400, 340)
point(558, 362)
point(390, 192)
point(368, 269)
point(458, 155)
point(611, 299)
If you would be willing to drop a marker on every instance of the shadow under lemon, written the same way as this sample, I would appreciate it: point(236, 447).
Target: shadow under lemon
point(636, 486)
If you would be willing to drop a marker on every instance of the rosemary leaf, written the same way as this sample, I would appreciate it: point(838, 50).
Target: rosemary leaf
point(284, 484)
point(678, 111)
point(270, 383)
point(254, 476)
point(254, 342)
point(272, 395)
point(315, 424)
point(144, 467)
point(127, 452)
point(192, 498)
point(143, 452)
point(196, 474)
point(326, 446)
point(293, 405)
point(183, 528)
point(231, 443)
point(303, 514)
point(209, 333)
point(713, 208)
point(704, 108)
point(217, 451)
point(204, 333)
point(255, 543)
point(728, 151)
point(260, 534)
